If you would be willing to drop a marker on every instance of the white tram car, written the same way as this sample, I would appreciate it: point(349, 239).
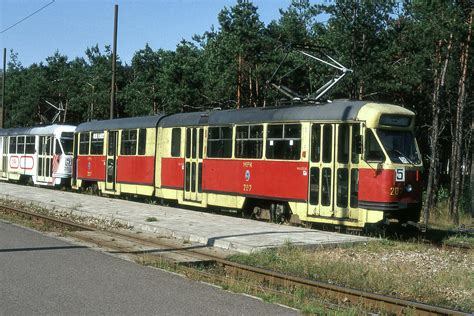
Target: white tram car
point(38, 155)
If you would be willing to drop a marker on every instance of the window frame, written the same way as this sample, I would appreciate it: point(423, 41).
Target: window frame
point(12, 145)
point(142, 142)
point(83, 141)
point(95, 141)
point(29, 144)
point(222, 142)
point(128, 141)
point(245, 140)
point(283, 138)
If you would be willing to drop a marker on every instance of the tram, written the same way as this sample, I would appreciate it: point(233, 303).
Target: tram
point(348, 163)
point(37, 155)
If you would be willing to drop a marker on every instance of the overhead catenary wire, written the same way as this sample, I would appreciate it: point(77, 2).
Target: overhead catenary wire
point(27, 17)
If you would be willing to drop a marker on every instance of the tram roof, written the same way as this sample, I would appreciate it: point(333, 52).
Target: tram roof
point(120, 123)
point(337, 110)
point(37, 130)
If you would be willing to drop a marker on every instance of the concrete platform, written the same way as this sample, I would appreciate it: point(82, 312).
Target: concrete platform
point(225, 232)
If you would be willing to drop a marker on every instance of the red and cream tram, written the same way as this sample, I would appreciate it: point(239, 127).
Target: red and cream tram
point(347, 163)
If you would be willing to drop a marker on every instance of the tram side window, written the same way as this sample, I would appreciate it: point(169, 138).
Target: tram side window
point(373, 152)
point(342, 187)
point(316, 143)
point(326, 187)
point(249, 141)
point(30, 145)
point(314, 186)
point(355, 143)
point(343, 144)
point(219, 142)
point(354, 188)
point(327, 143)
point(12, 145)
point(142, 141)
point(97, 144)
point(284, 141)
point(20, 145)
point(84, 144)
point(175, 142)
point(128, 146)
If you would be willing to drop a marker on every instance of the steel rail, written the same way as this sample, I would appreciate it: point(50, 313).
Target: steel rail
point(387, 303)
point(48, 218)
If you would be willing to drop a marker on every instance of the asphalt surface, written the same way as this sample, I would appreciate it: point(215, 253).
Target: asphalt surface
point(44, 275)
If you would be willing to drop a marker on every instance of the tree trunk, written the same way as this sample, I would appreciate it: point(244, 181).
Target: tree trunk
point(256, 88)
point(456, 156)
point(250, 87)
point(239, 81)
point(155, 105)
point(439, 82)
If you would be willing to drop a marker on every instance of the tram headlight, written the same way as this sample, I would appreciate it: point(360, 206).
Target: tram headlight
point(409, 188)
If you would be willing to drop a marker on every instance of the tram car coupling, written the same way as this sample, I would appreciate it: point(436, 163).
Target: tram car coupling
point(37, 155)
point(345, 163)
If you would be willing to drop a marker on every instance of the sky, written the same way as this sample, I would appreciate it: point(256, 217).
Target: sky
point(70, 26)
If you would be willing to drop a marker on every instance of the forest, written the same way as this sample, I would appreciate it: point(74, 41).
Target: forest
point(416, 54)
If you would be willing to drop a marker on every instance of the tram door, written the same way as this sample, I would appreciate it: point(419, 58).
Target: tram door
point(45, 159)
point(111, 164)
point(333, 169)
point(193, 164)
point(3, 156)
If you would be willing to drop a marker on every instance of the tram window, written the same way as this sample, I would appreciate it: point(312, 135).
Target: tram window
point(142, 141)
point(342, 187)
point(97, 144)
point(128, 146)
point(354, 188)
point(201, 140)
point(188, 143)
point(12, 145)
point(175, 142)
point(314, 186)
point(219, 142)
point(327, 143)
point(316, 143)
point(84, 144)
point(57, 150)
point(67, 140)
point(194, 144)
point(343, 144)
point(20, 145)
point(326, 187)
point(30, 145)
point(187, 177)
point(355, 144)
point(373, 152)
point(284, 141)
point(249, 141)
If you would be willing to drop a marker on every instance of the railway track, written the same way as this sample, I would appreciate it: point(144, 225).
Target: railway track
point(272, 279)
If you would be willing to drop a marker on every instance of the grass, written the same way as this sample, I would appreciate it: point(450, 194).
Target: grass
point(298, 298)
point(151, 219)
point(405, 270)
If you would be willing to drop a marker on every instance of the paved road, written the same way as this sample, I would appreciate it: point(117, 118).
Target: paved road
point(44, 275)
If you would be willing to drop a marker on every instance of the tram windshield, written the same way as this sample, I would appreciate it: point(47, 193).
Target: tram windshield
point(400, 146)
point(67, 142)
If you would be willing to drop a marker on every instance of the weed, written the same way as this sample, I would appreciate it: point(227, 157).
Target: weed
point(411, 271)
point(151, 219)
